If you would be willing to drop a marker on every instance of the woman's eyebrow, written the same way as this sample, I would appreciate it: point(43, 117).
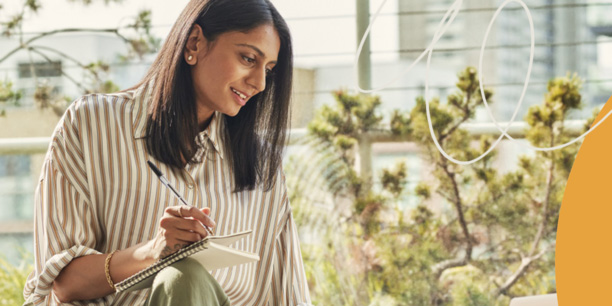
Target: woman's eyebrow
point(256, 50)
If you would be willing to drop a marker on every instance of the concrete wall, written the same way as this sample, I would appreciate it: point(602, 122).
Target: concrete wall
point(302, 104)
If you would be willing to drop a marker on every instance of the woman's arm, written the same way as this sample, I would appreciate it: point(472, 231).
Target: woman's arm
point(84, 277)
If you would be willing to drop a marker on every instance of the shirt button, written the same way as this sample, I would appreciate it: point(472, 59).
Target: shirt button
point(190, 186)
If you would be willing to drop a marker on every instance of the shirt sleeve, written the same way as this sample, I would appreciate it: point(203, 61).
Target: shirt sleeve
point(65, 225)
point(289, 284)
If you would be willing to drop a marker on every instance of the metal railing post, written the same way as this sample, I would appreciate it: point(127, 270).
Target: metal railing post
point(365, 157)
point(364, 70)
point(364, 65)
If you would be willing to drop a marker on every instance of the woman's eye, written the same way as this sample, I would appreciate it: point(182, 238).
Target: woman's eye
point(248, 59)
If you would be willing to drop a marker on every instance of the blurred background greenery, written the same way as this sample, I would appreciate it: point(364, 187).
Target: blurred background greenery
point(477, 236)
point(384, 217)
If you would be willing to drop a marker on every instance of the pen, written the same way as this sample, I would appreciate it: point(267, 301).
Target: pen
point(166, 183)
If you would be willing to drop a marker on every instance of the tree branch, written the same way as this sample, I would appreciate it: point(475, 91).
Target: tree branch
point(549, 186)
point(25, 45)
point(466, 116)
point(457, 262)
point(447, 264)
point(492, 248)
point(60, 53)
point(70, 58)
point(68, 30)
point(525, 263)
point(63, 73)
point(12, 52)
point(455, 127)
point(459, 207)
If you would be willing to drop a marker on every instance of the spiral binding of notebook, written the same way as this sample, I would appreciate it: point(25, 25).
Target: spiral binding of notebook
point(213, 252)
point(162, 263)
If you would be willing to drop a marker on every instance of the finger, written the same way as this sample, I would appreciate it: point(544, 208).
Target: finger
point(176, 236)
point(176, 211)
point(206, 210)
point(187, 236)
point(172, 223)
point(181, 211)
point(190, 211)
point(191, 225)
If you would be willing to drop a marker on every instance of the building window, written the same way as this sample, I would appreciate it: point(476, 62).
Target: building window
point(41, 69)
point(16, 185)
point(32, 75)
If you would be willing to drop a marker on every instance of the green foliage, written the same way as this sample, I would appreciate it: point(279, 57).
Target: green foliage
point(33, 5)
point(108, 86)
point(545, 119)
point(10, 26)
point(97, 79)
point(422, 190)
point(468, 285)
point(14, 23)
point(136, 35)
point(400, 123)
point(46, 97)
point(12, 280)
point(8, 96)
point(472, 248)
point(394, 180)
point(591, 120)
point(340, 126)
point(350, 116)
point(142, 41)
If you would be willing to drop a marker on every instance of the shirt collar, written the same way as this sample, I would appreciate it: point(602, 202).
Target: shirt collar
point(213, 133)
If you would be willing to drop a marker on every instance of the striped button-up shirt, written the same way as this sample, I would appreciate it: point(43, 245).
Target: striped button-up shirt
point(96, 194)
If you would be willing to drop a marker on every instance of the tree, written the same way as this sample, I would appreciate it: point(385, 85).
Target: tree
point(495, 240)
point(139, 42)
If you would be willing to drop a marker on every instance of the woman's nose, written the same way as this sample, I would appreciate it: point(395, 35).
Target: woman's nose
point(257, 79)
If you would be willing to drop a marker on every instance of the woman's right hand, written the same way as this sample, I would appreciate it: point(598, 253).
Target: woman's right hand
point(179, 226)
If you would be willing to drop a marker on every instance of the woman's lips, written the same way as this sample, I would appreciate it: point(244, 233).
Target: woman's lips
point(238, 96)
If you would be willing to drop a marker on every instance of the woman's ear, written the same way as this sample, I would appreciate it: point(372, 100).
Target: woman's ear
point(196, 45)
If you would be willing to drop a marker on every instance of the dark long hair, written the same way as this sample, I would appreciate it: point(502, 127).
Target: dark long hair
point(255, 137)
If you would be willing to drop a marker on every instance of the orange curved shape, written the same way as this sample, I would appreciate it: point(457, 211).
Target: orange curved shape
point(584, 249)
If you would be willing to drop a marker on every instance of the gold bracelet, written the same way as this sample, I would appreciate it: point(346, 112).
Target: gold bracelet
point(107, 270)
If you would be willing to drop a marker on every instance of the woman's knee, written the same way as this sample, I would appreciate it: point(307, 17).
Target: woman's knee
point(186, 273)
point(186, 282)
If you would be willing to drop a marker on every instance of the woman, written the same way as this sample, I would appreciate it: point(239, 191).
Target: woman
point(211, 113)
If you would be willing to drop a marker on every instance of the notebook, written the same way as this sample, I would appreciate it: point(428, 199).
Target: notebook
point(212, 252)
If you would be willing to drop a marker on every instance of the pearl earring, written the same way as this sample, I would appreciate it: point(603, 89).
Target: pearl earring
point(189, 58)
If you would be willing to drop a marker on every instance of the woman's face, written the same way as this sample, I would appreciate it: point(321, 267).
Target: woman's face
point(231, 70)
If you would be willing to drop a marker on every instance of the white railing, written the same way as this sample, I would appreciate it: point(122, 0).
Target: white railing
point(25, 146)
point(39, 145)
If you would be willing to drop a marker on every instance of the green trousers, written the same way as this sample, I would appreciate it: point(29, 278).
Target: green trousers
point(186, 283)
